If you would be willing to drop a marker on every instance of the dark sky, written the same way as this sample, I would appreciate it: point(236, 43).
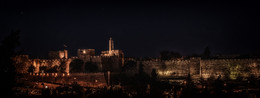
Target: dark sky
point(138, 28)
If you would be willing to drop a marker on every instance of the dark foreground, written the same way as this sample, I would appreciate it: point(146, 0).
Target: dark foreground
point(154, 88)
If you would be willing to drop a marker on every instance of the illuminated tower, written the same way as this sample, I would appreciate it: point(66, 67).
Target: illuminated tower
point(112, 60)
point(65, 54)
point(111, 44)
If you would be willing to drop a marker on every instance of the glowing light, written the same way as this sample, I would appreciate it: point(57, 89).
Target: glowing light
point(165, 72)
point(184, 82)
point(234, 72)
point(56, 74)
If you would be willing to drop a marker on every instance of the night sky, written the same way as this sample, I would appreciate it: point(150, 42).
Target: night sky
point(138, 28)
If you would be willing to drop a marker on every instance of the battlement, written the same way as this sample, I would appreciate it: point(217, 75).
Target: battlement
point(173, 60)
point(230, 60)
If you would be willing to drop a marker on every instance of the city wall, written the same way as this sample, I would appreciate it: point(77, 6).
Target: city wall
point(205, 68)
point(196, 67)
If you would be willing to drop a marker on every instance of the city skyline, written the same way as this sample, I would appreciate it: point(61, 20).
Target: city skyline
point(138, 49)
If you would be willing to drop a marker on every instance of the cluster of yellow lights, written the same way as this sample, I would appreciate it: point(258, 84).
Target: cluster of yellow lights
point(49, 74)
point(164, 72)
point(234, 72)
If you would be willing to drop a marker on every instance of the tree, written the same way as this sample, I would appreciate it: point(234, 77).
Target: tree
point(142, 76)
point(154, 74)
point(77, 88)
point(91, 67)
point(7, 69)
point(76, 66)
point(188, 80)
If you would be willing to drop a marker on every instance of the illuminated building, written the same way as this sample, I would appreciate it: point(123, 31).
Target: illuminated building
point(113, 60)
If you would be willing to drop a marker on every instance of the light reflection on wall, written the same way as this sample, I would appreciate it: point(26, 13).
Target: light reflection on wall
point(165, 73)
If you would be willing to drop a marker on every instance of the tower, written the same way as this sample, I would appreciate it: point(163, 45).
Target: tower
point(111, 44)
point(65, 54)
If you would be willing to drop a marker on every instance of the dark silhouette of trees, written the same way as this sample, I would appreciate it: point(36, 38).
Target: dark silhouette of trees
point(189, 90)
point(139, 81)
point(218, 86)
point(76, 66)
point(167, 55)
point(78, 89)
point(7, 69)
point(189, 81)
point(154, 75)
point(91, 67)
point(157, 86)
point(142, 77)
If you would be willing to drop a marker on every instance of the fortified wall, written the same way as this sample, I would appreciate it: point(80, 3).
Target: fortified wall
point(37, 63)
point(205, 68)
point(113, 60)
point(104, 63)
point(232, 68)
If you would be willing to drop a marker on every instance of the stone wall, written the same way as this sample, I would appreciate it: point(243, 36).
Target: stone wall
point(111, 63)
point(232, 68)
point(196, 67)
point(37, 63)
point(205, 68)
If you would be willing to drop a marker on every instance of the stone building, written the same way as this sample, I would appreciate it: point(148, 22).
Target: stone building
point(110, 60)
point(113, 60)
point(58, 54)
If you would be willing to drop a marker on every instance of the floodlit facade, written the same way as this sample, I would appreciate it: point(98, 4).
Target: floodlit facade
point(110, 60)
point(113, 60)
